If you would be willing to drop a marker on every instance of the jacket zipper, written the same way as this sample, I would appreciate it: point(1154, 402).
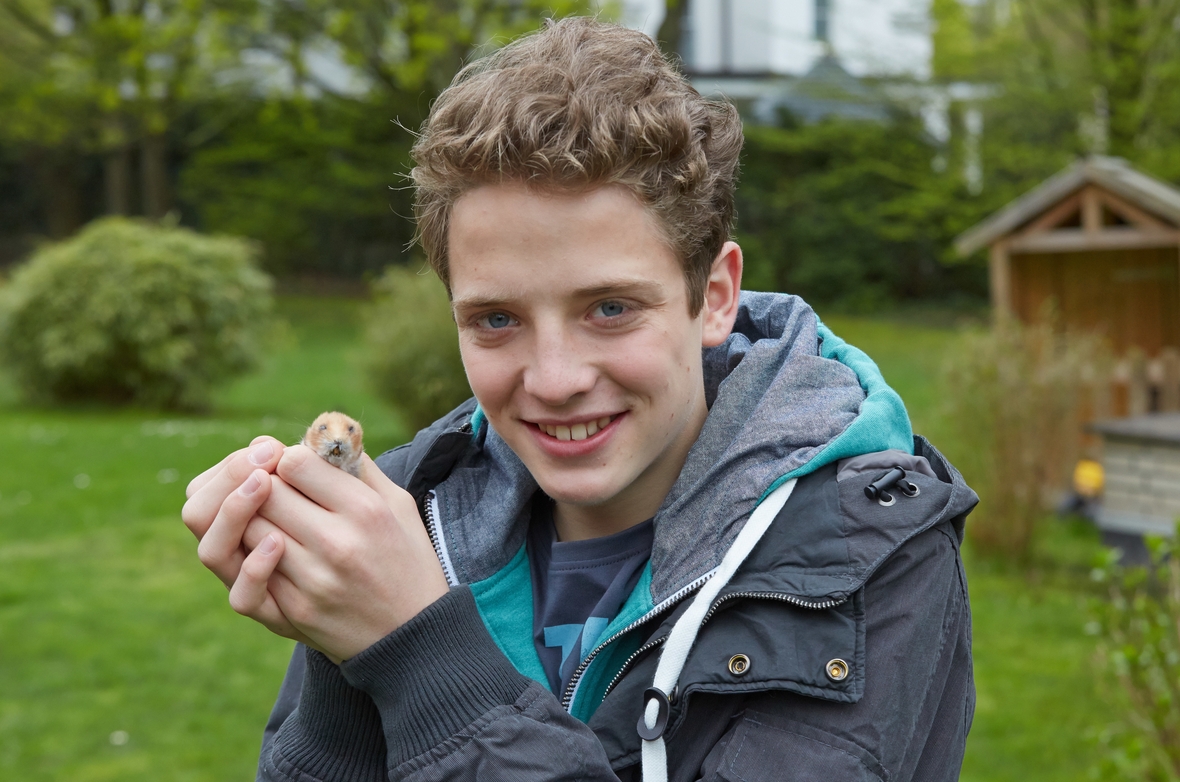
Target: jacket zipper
point(567, 697)
point(430, 516)
point(797, 601)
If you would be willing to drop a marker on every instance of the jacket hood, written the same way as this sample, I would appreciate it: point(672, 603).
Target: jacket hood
point(786, 397)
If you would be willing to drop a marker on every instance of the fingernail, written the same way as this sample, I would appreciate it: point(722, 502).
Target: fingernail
point(261, 454)
point(268, 544)
point(250, 485)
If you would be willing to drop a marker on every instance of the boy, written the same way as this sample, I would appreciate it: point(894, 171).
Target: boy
point(648, 552)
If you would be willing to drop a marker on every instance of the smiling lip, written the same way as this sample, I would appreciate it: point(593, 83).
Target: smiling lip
point(575, 439)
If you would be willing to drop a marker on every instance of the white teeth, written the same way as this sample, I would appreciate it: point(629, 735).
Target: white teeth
point(577, 431)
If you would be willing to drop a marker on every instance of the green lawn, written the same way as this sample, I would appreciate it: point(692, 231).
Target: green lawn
point(108, 622)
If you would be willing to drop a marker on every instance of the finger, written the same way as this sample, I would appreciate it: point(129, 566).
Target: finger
point(249, 595)
point(201, 508)
point(196, 483)
point(327, 486)
point(301, 519)
point(297, 562)
point(220, 548)
point(257, 529)
point(400, 501)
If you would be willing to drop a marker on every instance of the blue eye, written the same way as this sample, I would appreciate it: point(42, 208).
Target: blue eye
point(611, 309)
point(497, 320)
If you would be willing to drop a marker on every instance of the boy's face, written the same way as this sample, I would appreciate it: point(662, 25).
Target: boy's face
point(575, 331)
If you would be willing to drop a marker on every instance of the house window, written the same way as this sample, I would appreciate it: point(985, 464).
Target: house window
point(822, 9)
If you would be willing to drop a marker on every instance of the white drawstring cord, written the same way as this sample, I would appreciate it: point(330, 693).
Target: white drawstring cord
point(684, 632)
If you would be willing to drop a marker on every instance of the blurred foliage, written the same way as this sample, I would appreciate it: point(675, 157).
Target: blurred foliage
point(133, 312)
point(413, 349)
point(319, 87)
point(851, 213)
point(1016, 392)
point(119, 83)
point(291, 123)
point(1138, 626)
point(1069, 77)
point(315, 182)
point(318, 170)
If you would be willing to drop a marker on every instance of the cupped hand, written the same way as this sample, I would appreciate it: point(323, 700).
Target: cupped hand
point(239, 547)
point(356, 561)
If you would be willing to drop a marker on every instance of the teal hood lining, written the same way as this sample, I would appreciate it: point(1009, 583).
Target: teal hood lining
point(883, 423)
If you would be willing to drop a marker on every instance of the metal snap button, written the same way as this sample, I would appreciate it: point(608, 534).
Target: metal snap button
point(837, 670)
point(739, 664)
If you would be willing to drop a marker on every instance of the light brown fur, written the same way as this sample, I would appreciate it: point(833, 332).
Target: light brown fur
point(337, 439)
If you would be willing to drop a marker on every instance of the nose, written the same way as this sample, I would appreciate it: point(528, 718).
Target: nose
point(558, 371)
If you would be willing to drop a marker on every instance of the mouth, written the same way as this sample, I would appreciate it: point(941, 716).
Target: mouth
point(579, 431)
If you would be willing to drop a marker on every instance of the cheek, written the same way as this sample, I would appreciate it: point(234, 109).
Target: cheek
point(658, 367)
point(489, 374)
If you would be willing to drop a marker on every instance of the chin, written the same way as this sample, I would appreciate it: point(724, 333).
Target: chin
point(579, 492)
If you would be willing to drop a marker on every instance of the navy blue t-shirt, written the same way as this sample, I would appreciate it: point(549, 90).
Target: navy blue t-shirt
point(578, 587)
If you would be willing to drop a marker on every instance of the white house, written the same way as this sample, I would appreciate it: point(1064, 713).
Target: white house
point(879, 38)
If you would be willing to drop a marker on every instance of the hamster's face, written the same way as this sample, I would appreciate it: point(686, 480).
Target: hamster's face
point(335, 434)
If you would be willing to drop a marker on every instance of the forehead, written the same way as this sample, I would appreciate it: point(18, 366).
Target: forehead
point(508, 241)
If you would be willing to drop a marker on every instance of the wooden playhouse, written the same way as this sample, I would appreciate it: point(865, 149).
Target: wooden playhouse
point(1101, 241)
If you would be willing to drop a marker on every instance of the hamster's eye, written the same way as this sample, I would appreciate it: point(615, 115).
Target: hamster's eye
point(352, 428)
point(323, 427)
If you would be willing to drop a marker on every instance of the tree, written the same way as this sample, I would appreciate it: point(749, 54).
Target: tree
point(317, 170)
point(99, 77)
point(1076, 76)
point(851, 213)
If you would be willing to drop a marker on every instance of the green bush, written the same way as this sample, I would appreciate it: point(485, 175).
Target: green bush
point(413, 347)
point(1138, 629)
point(131, 312)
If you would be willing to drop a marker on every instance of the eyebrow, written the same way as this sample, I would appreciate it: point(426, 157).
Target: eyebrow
point(621, 287)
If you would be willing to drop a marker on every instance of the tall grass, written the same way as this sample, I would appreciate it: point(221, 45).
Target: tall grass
point(1016, 392)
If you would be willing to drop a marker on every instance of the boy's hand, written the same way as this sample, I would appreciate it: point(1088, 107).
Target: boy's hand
point(356, 561)
point(221, 513)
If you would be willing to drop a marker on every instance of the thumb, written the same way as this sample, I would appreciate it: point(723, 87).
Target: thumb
point(398, 499)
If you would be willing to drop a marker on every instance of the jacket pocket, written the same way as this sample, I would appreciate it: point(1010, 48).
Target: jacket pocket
point(765, 748)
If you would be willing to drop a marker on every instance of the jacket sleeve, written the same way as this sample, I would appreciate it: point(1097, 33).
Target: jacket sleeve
point(452, 706)
point(434, 700)
point(321, 728)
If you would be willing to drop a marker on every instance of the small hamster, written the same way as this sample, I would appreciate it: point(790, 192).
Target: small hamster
point(337, 439)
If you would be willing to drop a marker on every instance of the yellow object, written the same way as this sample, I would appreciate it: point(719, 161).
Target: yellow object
point(1088, 478)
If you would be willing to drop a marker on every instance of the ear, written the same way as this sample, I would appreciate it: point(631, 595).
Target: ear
point(721, 295)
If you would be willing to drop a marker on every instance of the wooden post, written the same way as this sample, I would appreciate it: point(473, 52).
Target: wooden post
point(999, 267)
point(1138, 385)
point(1091, 211)
point(1170, 380)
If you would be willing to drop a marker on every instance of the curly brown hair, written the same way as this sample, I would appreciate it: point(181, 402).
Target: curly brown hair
point(577, 105)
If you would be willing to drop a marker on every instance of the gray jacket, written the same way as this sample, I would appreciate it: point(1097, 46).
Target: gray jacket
point(840, 648)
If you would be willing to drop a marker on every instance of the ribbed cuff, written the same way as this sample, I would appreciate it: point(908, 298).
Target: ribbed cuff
point(434, 676)
point(335, 733)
